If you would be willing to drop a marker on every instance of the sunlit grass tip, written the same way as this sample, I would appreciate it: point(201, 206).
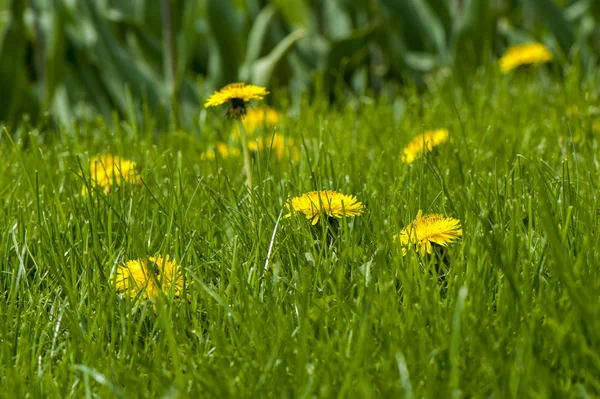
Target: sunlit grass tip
point(426, 231)
point(316, 204)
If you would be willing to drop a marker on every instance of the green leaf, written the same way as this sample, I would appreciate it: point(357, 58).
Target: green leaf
point(553, 17)
point(262, 70)
point(129, 11)
point(120, 70)
point(186, 40)
point(338, 23)
point(13, 81)
point(223, 25)
point(256, 38)
point(348, 47)
point(474, 32)
point(421, 62)
point(443, 12)
point(421, 24)
point(295, 12)
point(54, 53)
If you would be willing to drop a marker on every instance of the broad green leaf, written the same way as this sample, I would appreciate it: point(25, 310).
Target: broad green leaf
point(262, 69)
point(89, 81)
point(420, 23)
point(224, 27)
point(577, 10)
point(474, 32)
point(13, 81)
point(130, 11)
point(554, 18)
point(120, 69)
point(347, 47)
point(186, 40)
point(422, 62)
point(295, 12)
point(338, 23)
point(256, 38)
point(442, 10)
point(55, 52)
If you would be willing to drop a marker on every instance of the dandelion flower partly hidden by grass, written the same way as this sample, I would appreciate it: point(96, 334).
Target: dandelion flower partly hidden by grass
point(422, 143)
point(278, 144)
point(317, 204)
point(149, 278)
point(110, 170)
point(427, 230)
point(238, 94)
point(223, 150)
point(596, 126)
point(524, 54)
point(258, 117)
point(572, 111)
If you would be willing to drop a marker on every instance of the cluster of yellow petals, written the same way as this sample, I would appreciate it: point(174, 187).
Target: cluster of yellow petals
point(596, 126)
point(524, 54)
point(276, 143)
point(422, 143)
point(149, 278)
point(238, 94)
point(236, 91)
point(260, 117)
point(110, 170)
point(317, 204)
point(428, 229)
point(225, 151)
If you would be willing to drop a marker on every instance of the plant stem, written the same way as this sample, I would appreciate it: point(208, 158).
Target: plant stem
point(247, 162)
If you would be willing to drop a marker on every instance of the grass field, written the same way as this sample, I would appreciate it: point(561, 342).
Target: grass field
point(275, 307)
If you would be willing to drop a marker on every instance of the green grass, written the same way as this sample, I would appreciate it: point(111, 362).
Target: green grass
point(517, 314)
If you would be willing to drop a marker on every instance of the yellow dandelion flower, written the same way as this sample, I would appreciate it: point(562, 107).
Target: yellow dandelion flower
point(149, 278)
point(110, 170)
point(428, 229)
point(596, 126)
point(422, 143)
point(258, 117)
point(238, 94)
point(316, 204)
point(572, 111)
point(524, 54)
point(223, 150)
point(277, 143)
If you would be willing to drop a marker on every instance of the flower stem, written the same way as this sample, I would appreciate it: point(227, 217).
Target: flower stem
point(247, 162)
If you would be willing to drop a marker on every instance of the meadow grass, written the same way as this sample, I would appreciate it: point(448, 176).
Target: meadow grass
point(274, 307)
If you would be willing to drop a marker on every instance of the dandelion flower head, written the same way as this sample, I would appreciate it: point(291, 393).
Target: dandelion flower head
point(110, 170)
point(238, 94)
point(225, 151)
point(596, 126)
point(572, 111)
point(524, 54)
point(149, 278)
point(277, 143)
point(423, 143)
point(427, 230)
point(317, 204)
point(258, 117)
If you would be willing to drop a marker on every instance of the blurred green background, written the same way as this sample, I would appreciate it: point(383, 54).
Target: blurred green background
point(69, 60)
